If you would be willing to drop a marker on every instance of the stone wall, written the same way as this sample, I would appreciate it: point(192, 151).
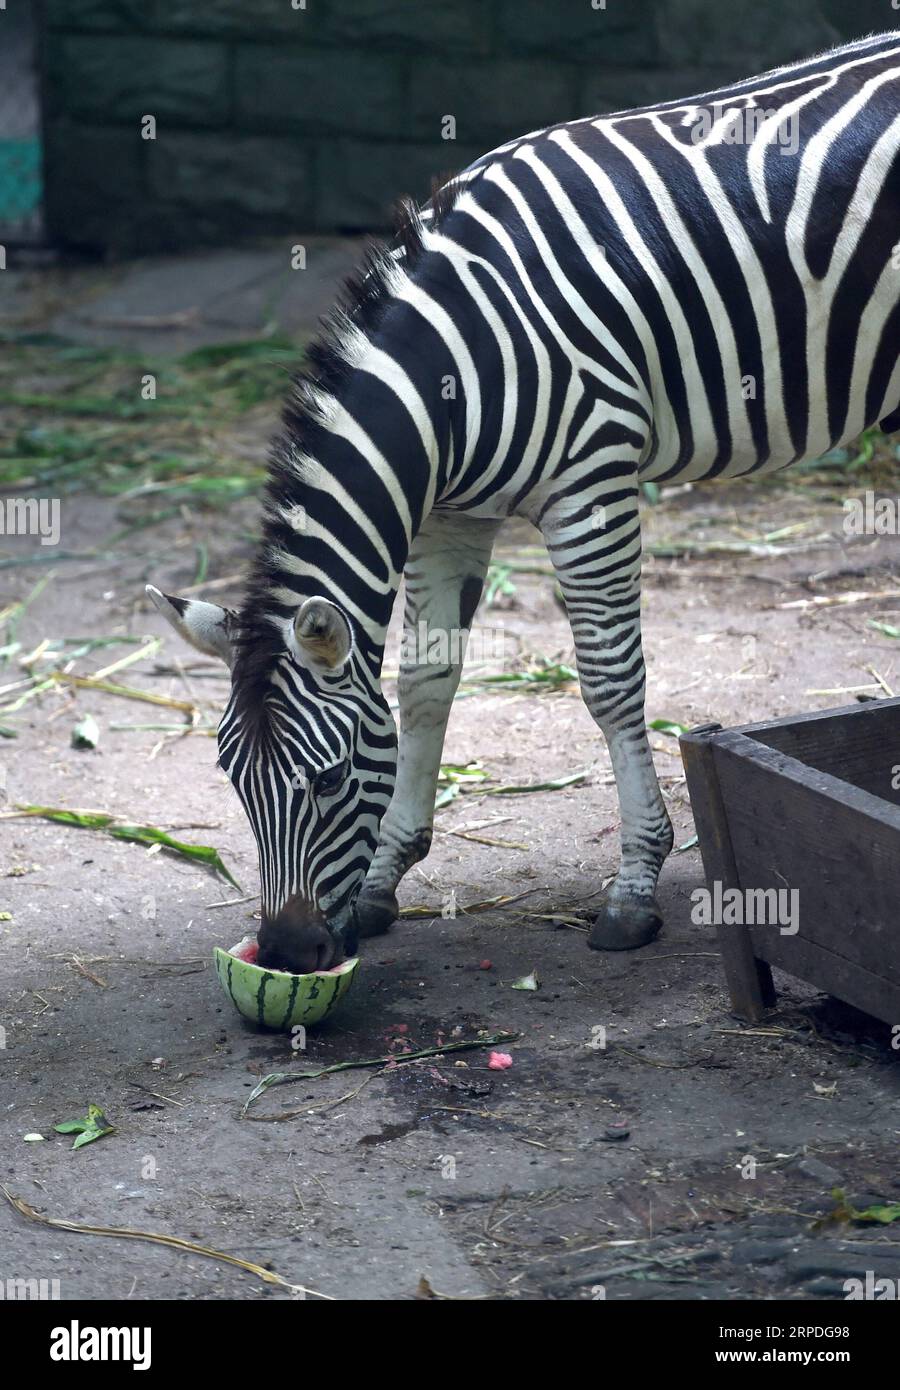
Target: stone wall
point(271, 119)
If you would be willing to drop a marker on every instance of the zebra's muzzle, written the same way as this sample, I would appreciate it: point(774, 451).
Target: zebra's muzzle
point(297, 939)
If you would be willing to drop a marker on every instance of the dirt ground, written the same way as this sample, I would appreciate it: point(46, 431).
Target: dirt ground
point(582, 1171)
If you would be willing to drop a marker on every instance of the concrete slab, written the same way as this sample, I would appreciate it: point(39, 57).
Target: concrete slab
point(166, 306)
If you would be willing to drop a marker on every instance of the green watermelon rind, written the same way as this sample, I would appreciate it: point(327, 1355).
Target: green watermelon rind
point(275, 999)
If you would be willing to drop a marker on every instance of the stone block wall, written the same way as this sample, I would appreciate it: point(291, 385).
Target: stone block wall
point(295, 116)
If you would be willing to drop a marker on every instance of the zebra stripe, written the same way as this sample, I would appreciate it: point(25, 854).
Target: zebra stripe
point(613, 300)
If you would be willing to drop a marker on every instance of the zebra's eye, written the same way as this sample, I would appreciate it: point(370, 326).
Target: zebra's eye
point(332, 778)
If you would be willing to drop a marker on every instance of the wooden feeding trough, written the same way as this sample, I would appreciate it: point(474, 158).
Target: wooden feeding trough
point(811, 804)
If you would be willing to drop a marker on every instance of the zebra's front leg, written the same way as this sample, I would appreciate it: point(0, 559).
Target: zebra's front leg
point(628, 914)
point(599, 573)
point(444, 578)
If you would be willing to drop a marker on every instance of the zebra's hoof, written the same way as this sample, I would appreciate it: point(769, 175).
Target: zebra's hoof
point(376, 910)
point(626, 924)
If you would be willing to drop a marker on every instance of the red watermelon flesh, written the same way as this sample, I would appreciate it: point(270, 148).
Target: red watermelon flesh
point(247, 949)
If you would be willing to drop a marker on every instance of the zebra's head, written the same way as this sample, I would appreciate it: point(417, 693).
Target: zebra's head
point(309, 744)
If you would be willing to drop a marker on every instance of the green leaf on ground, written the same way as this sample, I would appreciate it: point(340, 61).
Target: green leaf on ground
point(668, 726)
point(844, 1212)
point(462, 772)
point(548, 676)
point(498, 584)
point(94, 1126)
point(140, 834)
point(554, 785)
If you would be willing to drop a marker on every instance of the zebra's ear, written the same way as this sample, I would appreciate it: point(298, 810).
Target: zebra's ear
point(206, 626)
point(323, 636)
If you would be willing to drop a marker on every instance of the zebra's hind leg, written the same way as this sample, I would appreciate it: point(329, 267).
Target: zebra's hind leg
point(444, 577)
point(596, 552)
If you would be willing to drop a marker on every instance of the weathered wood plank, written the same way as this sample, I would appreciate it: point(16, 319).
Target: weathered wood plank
point(749, 980)
point(794, 827)
point(807, 803)
point(859, 745)
point(809, 961)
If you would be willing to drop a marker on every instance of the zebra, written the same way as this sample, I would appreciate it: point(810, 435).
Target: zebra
point(638, 297)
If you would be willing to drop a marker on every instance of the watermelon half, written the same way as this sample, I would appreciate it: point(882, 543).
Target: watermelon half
point(275, 998)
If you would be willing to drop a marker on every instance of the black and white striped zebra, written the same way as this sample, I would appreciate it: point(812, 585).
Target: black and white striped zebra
point(638, 297)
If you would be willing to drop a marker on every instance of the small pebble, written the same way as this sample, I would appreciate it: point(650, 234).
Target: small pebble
point(612, 1133)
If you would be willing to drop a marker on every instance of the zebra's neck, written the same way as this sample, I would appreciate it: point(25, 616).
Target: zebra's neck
point(366, 445)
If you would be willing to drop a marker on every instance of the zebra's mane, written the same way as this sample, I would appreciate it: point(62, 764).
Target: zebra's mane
point(330, 360)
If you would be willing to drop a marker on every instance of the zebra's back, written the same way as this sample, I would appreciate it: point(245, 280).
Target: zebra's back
point(717, 275)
